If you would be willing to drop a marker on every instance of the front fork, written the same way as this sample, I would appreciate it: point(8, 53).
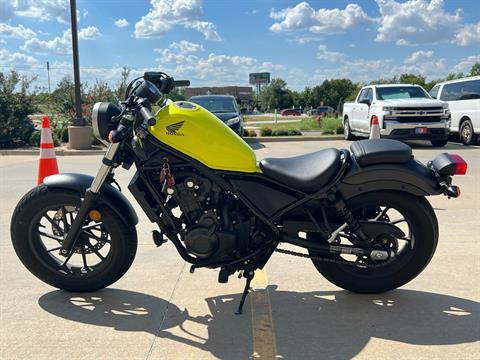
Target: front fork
point(91, 195)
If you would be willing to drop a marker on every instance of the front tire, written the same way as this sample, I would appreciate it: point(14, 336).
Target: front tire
point(103, 254)
point(347, 131)
point(422, 223)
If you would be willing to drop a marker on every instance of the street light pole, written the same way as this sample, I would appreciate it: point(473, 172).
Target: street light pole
point(78, 121)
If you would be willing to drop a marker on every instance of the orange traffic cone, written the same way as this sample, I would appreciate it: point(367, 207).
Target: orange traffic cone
point(48, 163)
point(375, 128)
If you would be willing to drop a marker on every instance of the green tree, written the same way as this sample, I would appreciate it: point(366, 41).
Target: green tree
point(16, 103)
point(275, 95)
point(412, 79)
point(122, 85)
point(475, 71)
point(333, 93)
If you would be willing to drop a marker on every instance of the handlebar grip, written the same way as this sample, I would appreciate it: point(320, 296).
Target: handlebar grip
point(148, 116)
point(181, 83)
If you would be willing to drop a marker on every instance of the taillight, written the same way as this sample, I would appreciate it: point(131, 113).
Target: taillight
point(460, 164)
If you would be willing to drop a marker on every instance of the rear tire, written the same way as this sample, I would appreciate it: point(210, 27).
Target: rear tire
point(403, 268)
point(467, 136)
point(439, 143)
point(28, 227)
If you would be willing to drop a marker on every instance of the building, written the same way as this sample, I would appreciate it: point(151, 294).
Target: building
point(243, 94)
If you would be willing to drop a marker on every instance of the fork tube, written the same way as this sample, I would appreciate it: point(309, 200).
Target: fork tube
point(104, 169)
point(89, 198)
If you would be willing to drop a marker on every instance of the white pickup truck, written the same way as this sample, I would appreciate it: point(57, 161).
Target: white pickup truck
point(404, 112)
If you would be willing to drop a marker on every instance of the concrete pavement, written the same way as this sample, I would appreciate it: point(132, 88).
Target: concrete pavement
point(160, 311)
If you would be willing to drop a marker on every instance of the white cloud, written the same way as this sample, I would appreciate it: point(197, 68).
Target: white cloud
point(43, 10)
point(60, 45)
point(302, 40)
point(465, 64)
point(89, 33)
point(8, 58)
point(166, 14)
point(416, 22)
point(468, 35)
point(7, 8)
point(121, 23)
point(183, 60)
point(17, 32)
point(331, 56)
point(304, 17)
point(417, 56)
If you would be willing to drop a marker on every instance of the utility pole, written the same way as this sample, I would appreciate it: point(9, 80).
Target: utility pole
point(78, 121)
point(48, 75)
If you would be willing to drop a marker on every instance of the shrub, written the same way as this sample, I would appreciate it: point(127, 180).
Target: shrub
point(252, 133)
point(15, 106)
point(280, 132)
point(294, 132)
point(61, 134)
point(36, 137)
point(339, 130)
point(328, 132)
point(266, 131)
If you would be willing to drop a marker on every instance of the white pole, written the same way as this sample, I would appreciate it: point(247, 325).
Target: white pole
point(276, 118)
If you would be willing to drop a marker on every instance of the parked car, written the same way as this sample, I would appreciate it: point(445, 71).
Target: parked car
point(404, 112)
point(463, 98)
point(224, 107)
point(290, 112)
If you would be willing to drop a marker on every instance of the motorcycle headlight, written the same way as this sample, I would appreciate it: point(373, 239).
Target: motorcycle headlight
point(102, 123)
point(232, 121)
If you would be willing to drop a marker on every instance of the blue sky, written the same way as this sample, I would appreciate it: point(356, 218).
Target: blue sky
point(218, 42)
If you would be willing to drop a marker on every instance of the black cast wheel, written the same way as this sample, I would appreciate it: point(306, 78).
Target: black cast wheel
point(103, 252)
point(467, 136)
point(413, 215)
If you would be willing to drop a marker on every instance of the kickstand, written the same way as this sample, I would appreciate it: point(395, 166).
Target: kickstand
point(249, 276)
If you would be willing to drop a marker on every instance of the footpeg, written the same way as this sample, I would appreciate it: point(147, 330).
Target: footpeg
point(223, 276)
point(158, 238)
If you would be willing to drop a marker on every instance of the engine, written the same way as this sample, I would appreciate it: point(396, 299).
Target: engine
point(215, 224)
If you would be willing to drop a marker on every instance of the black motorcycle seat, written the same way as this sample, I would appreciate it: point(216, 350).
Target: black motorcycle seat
point(380, 151)
point(307, 173)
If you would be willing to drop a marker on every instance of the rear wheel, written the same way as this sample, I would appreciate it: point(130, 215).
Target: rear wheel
point(103, 252)
point(413, 215)
point(467, 136)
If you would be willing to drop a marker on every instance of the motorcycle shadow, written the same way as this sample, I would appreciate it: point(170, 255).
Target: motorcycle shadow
point(335, 324)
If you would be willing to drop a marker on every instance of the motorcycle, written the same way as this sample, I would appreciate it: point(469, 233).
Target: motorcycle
point(361, 215)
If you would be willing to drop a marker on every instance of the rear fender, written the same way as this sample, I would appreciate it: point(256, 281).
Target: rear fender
point(108, 196)
point(412, 177)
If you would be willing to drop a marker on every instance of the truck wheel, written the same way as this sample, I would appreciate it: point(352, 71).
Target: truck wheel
point(467, 136)
point(439, 143)
point(347, 133)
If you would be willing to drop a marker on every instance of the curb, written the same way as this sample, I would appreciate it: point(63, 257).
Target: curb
point(261, 139)
point(248, 140)
point(57, 152)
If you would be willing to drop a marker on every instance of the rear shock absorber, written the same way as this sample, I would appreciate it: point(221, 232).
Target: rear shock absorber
point(345, 213)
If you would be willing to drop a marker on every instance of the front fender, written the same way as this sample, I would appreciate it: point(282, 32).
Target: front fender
point(108, 196)
point(412, 177)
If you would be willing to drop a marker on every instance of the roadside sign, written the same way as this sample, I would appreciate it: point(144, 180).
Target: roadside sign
point(259, 78)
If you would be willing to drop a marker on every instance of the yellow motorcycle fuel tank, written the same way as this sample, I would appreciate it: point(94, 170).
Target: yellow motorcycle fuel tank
point(196, 132)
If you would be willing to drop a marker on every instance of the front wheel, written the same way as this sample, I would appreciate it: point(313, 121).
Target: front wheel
point(413, 215)
point(467, 135)
point(103, 252)
point(347, 132)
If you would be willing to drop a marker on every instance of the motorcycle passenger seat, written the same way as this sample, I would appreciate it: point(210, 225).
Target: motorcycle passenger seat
point(307, 173)
point(380, 151)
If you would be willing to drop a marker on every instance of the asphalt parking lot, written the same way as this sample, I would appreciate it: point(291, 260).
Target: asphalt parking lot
point(158, 310)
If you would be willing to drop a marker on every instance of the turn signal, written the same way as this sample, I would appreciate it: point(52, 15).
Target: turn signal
point(460, 164)
point(95, 215)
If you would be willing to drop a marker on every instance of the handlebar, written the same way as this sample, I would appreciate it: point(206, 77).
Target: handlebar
point(181, 83)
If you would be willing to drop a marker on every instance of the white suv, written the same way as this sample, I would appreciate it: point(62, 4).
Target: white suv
point(463, 98)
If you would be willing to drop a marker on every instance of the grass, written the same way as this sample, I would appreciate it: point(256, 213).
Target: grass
point(327, 124)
